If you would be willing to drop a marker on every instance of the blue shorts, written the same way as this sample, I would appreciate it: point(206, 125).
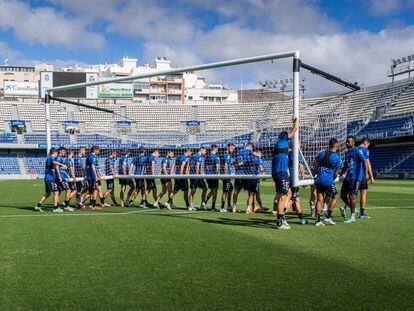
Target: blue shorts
point(363, 185)
point(330, 190)
point(180, 185)
point(350, 186)
point(227, 185)
point(282, 182)
point(51, 186)
point(197, 184)
point(93, 185)
point(63, 185)
point(253, 185)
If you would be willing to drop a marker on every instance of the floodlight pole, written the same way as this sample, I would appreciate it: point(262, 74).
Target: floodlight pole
point(296, 68)
point(48, 124)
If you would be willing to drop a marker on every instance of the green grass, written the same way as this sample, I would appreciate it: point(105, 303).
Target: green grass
point(175, 260)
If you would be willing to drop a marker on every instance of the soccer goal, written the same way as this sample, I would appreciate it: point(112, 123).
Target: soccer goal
point(175, 122)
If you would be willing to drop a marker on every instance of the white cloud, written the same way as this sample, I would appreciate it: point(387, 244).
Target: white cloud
point(46, 26)
point(384, 7)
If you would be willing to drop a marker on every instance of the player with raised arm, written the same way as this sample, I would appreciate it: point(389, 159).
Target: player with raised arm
point(355, 167)
point(241, 168)
point(294, 198)
point(138, 169)
point(226, 165)
point(167, 168)
point(327, 168)
point(50, 183)
point(110, 171)
point(364, 184)
point(63, 178)
point(212, 167)
point(280, 173)
point(149, 169)
point(181, 167)
point(93, 177)
point(195, 169)
point(124, 169)
point(256, 166)
point(81, 187)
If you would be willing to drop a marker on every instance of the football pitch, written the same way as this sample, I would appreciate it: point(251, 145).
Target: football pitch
point(131, 258)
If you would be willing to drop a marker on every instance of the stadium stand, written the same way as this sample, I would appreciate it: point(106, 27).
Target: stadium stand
point(8, 138)
point(378, 112)
point(9, 164)
point(394, 159)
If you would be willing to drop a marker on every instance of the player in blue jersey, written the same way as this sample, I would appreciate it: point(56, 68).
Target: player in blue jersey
point(356, 168)
point(256, 167)
point(364, 184)
point(196, 161)
point(327, 168)
point(243, 157)
point(125, 169)
point(181, 167)
point(81, 186)
point(50, 182)
point(227, 164)
point(93, 177)
point(149, 169)
point(294, 198)
point(63, 178)
point(138, 163)
point(110, 171)
point(280, 173)
point(167, 168)
point(68, 161)
point(212, 167)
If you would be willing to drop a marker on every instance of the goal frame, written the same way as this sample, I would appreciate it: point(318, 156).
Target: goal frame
point(297, 64)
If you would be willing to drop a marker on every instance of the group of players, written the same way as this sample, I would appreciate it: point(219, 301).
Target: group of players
point(79, 176)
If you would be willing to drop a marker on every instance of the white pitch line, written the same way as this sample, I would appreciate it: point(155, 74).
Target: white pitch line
point(154, 210)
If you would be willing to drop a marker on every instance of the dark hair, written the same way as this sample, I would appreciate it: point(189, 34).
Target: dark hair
point(350, 137)
point(332, 142)
point(141, 149)
point(365, 140)
point(126, 151)
point(53, 150)
point(187, 150)
point(62, 148)
point(201, 148)
point(282, 133)
point(249, 144)
point(230, 145)
point(113, 151)
point(95, 148)
point(81, 147)
point(214, 147)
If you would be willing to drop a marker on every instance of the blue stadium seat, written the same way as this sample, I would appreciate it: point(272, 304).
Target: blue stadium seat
point(8, 138)
point(9, 164)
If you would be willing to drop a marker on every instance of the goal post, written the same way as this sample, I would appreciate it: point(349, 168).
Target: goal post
point(180, 139)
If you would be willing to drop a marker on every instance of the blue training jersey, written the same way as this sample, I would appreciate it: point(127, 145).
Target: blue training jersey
point(227, 160)
point(243, 156)
point(124, 160)
point(50, 173)
point(109, 161)
point(354, 160)
point(65, 172)
point(256, 164)
point(365, 151)
point(179, 161)
point(327, 167)
point(91, 160)
point(79, 165)
point(194, 159)
point(139, 162)
point(148, 164)
point(280, 159)
point(210, 164)
point(167, 161)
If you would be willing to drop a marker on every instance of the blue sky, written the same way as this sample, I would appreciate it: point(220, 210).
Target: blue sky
point(355, 38)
